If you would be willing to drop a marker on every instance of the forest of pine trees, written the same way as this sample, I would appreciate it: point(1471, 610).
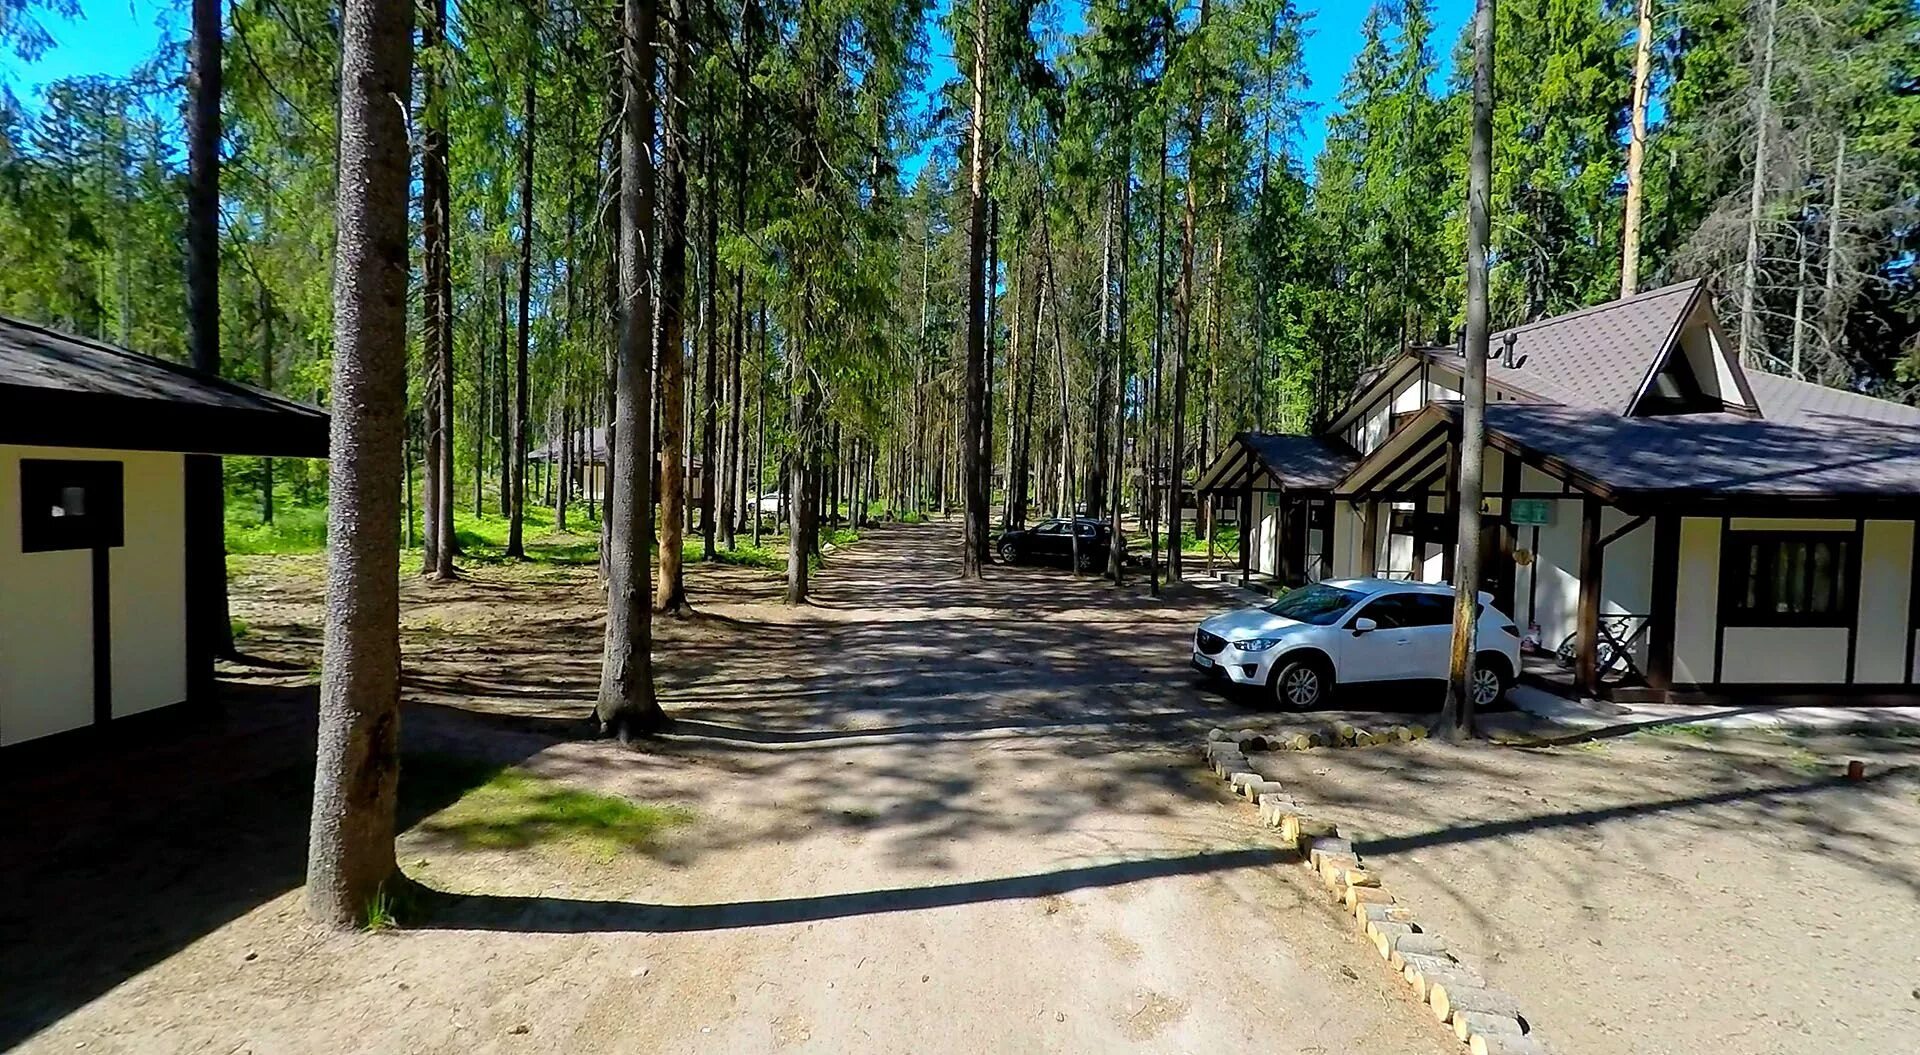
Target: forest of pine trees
point(1143, 256)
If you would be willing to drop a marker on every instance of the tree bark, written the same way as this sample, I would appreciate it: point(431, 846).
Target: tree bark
point(350, 849)
point(1751, 336)
point(516, 455)
point(627, 706)
point(1183, 334)
point(437, 299)
point(1637, 153)
point(1457, 712)
point(710, 395)
point(210, 629)
point(670, 355)
point(973, 469)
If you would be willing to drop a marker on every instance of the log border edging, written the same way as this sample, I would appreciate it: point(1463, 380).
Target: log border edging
point(1486, 1020)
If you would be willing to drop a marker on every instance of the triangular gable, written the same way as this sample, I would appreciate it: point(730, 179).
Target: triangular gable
point(1696, 370)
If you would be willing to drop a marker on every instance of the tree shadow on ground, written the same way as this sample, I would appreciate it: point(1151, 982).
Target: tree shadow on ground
point(548, 915)
point(118, 854)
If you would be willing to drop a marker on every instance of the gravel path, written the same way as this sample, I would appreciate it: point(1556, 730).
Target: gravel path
point(930, 816)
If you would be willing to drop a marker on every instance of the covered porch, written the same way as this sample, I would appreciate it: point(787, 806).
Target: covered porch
point(1281, 491)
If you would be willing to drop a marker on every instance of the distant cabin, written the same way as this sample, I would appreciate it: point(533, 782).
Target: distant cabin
point(1740, 533)
point(94, 447)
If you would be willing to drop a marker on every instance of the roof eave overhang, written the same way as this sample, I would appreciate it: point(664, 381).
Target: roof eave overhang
point(54, 418)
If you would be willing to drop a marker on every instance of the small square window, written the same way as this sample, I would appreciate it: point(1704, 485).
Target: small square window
point(70, 504)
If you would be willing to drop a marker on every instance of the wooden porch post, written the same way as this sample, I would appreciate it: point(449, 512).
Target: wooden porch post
point(1509, 534)
point(1665, 598)
point(1369, 563)
point(1246, 531)
point(1450, 554)
point(1587, 671)
point(1285, 568)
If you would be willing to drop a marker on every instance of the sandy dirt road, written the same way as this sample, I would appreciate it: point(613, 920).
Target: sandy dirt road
point(926, 816)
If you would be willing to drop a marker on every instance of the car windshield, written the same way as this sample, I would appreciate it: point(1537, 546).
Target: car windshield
point(1318, 604)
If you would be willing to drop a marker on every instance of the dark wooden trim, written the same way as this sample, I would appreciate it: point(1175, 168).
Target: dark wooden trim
point(1913, 602)
point(1592, 568)
point(1719, 601)
point(1246, 535)
point(1663, 619)
point(1509, 531)
point(1858, 559)
point(1533, 578)
point(1418, 471)
point(1450, 555)
point(205, 557)
point(1328, 551)
point(1369, 564)
point(102, 635)
point(1624, 530)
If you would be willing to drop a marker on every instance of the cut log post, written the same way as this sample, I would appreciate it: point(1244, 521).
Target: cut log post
point(1361, 877)
point(1332, 869)
point(1340, 733)
point(1416, 732)
point(1470, 1024)
point(1425, 980)
point(1217, 734)
point(1499, 1044)
point(1447, 999)
point(1327, 844)
point(1366, 914)
point(1295, 828)
point(1425, 943)
point(1366, 895)
point(1400, 733)
point(1243, 783)
point(1225, 766)
point(1383, 934)
point(1250, 740)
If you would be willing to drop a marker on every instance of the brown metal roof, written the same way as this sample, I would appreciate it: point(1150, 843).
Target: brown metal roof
point(1785, 399)
point(1309, 463)
point(1596, 357)
point(58, 389)
point(1716, 455)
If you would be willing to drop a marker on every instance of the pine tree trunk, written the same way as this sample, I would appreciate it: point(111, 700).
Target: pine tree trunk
point(973, 471)
point(1637, 152)
point(1751, 333)
point(670, 355)
point(437, 300)
point(710, 401)
point(1159, 344)
point(210, 631)
point(1183, 336)
point(627, 706)
point(350, 851)
point(516, 454)
point(1457, 712)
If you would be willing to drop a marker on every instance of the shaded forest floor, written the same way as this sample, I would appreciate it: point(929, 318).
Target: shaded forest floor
point(919, 814)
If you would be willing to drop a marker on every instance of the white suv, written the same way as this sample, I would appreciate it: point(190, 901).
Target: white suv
point(1354, 630)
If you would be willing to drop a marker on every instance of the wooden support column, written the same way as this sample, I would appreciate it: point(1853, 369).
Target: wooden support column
point(1665, 599)
point(1592, 557)
point(1509, 533)
point(1246, 531)
point(1369, 563)
point(1450, 554)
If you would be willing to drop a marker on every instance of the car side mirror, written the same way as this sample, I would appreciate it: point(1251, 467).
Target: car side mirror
point(1363, 625)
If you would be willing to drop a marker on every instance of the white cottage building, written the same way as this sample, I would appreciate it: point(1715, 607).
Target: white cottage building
point(96, 445)
point(1729, 532)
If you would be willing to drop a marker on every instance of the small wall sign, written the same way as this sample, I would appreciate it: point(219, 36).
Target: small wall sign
point(1535, 511)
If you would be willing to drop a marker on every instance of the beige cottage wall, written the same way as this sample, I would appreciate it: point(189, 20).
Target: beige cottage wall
point(46, 603)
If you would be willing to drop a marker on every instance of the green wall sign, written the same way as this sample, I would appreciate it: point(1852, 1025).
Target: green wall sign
point(1530, 511)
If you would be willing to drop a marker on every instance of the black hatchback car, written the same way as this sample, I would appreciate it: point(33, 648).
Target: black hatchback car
point(1054, 542)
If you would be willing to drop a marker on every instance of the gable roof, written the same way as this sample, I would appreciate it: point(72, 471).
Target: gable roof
point(61, 390)
point(1803, 402)
point(1311, 463)
point(1601, 357)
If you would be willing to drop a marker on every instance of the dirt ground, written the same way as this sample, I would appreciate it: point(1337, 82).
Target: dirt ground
point(919, 815)
point(1675, 892)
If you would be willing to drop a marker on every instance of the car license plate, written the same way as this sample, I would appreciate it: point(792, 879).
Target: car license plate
point(1202, 662)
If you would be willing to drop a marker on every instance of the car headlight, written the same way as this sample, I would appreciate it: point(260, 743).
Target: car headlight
point(1256, 644)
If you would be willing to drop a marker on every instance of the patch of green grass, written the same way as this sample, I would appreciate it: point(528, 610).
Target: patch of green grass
point(1226, 542)
point(239, 628)
point(379, 913)
point(1693, 730)
point(512, 809)
point(912, 516)
point(1805, 761)
point(295, 529)
point(746, 555)
point(1592, 747)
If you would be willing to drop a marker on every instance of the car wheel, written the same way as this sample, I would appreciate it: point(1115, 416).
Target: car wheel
point(1009, 553)
point(1301, 684)
point(1489, 681)
point(1088, 559)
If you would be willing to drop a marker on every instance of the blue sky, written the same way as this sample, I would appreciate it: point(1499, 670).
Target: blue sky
point(115, 35)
